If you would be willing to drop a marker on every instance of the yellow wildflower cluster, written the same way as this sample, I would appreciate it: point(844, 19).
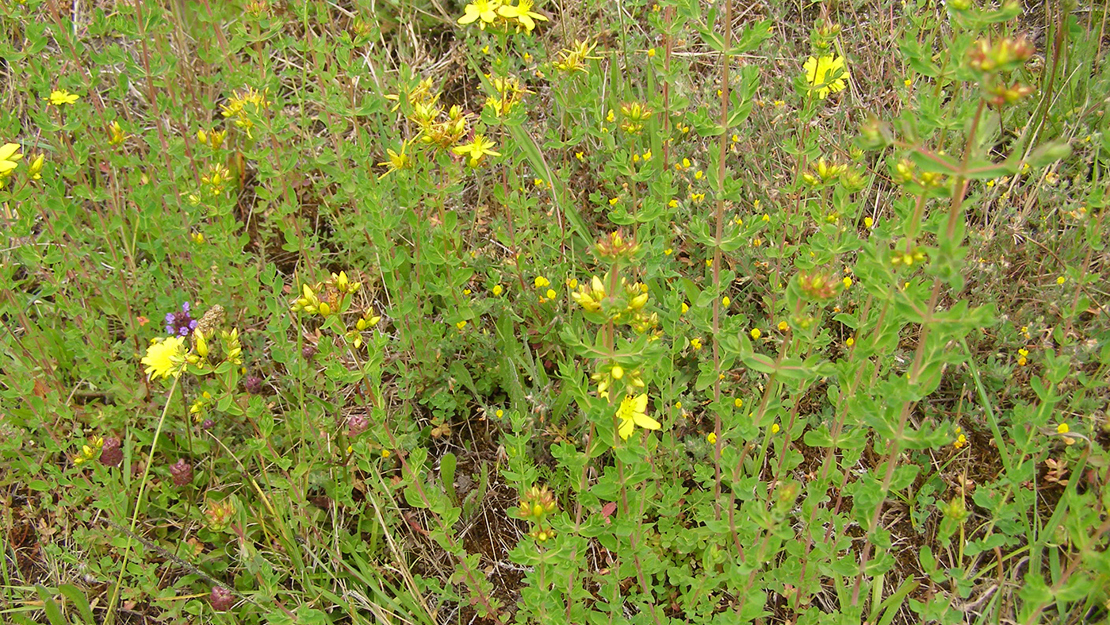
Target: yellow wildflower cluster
point(633, 380)
point(573, 59)
point(232, 348)
point(199, 408)
point(825, 74)
point(499, 15)
point(216, 179)
point(961, 438)
point(823, 172)
point(509, 94)
point(116, 135)
point(635, 116)
point(88, 452)
point(368, 320)
point(213, 139)
point(324, 299)
point(907, 257)
point(243, 106)
point(625, 307)
point(537, 506)
point(446, 129)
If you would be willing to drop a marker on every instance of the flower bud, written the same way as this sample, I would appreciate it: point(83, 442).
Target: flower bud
point(182, 472)
point(221, 599)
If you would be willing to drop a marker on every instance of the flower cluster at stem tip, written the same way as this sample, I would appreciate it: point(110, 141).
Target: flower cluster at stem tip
point(499, 15)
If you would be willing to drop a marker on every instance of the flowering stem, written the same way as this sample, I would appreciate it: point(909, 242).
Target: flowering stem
point(139, 504)
point(719, 235)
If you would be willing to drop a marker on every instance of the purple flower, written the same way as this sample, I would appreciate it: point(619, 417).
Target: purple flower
point(357, 424)
point(180, 323)
point(221, 599)
point(111, 455)
point(182, 472)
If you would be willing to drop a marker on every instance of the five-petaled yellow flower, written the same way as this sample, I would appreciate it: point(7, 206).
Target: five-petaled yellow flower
point(522, 13)
point(631, 413)
point(9, 158)
point(476, 150)
point(396, 160)
point(165, 357)
point(825, 74)
point(61, 97)
point(484, 10)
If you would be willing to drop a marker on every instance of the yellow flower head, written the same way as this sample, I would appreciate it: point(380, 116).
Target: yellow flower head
point(116, 135)
point(632, 413)
point(825, 74)
point(61, 97)
point(482, 11)
point(9, 158)
point(397, 160)
point(522, 13)
point(476, 150)
point(574, 58)
point(165, 357)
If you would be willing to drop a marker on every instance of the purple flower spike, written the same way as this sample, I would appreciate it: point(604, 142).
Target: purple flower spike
point(182, 323)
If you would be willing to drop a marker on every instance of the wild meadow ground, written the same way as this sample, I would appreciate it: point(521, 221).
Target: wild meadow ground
point(646, 312)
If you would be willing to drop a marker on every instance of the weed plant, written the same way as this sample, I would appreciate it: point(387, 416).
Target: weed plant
point(639, 312)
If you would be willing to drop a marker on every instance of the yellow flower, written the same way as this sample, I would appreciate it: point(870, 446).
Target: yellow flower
point(847, 282)
point(1061, 280)
point(685, 307)
point(460, 325)
point(522, 13)
point(712, 438)
point(497, 290)
point(9, 158)
point(631, 414)
point(850, 342)
point(868, 222)
point(696, 344)
point(783, 326)
point(826, 74)
point(476, 150)
point(726, 301)
point(738, 402)
point(34, 172)
point(550, 294)
point(61, 97)
point(574, 58)
point(1062, 428)
point(668, 252)
point(165, 357)
point(775, 429)
point(756, 333)
point(486, 10)
point(541, 282)
point(396, 160)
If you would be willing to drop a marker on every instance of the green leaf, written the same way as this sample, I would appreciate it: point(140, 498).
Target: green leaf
point(1049, 153)
point(447, 466)
point(53, 612)
point(79, 600)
